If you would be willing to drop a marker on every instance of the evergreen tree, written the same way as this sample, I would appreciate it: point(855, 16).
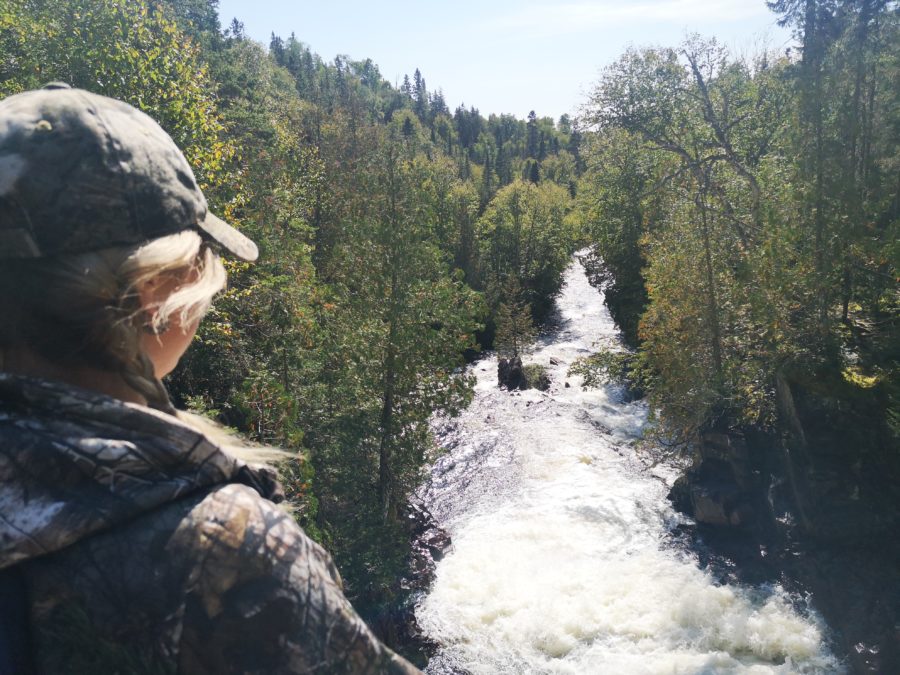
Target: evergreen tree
point(531, 148)
point(515, 328)
point(420, 96)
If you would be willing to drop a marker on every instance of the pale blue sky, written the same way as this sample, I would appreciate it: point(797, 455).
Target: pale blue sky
point(504, 55)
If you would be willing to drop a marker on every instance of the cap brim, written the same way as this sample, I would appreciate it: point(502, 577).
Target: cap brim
point(229, 238)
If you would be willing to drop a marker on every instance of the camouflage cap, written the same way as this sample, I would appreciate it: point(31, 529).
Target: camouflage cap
point(81, 172)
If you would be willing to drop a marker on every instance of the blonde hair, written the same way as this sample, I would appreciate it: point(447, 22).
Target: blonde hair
point(85, 309)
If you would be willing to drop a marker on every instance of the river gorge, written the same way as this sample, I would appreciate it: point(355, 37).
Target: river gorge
point(564, 557)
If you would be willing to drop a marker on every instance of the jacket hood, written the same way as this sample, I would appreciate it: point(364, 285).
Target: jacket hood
point(74, 463)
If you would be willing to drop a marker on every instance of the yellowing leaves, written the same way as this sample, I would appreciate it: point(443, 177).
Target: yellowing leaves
point(855, 376)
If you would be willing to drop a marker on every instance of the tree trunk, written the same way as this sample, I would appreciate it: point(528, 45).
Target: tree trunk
point(386, 477)
point(712, 300)
point(385, 468)
point(789, 414)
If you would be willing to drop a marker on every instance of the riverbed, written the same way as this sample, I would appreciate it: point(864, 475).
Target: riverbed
point(563, 557)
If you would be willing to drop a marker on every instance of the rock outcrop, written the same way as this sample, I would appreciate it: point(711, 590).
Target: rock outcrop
point(720, 487)
point(813, 517)
point(511, 374)
point(428, 542)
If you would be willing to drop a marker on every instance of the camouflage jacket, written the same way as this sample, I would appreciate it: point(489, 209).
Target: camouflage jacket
point(146, 548)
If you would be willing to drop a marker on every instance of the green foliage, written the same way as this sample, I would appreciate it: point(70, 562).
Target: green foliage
point(525, 232)
point(738, 210)
point(127, 50)
point(412, 318)
point(605, 366)
point(614, 210)
point(514, 326)
point(535, 375)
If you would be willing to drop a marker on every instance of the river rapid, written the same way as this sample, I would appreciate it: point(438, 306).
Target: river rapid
point(563, 558)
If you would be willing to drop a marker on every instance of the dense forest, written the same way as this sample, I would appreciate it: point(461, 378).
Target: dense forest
point(743, 216)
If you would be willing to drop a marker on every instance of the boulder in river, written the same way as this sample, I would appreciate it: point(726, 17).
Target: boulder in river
point(711, 495)
point(511, 374)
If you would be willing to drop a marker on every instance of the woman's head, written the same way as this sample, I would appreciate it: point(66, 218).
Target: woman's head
point(104, 262)
point(129, 311)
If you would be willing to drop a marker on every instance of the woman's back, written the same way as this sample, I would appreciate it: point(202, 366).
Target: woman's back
point(147, 549)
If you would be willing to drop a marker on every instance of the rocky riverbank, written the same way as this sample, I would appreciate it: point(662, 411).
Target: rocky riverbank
point(820, 525)
point(397, 626)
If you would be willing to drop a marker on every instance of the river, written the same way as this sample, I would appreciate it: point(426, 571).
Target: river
point(563, 559)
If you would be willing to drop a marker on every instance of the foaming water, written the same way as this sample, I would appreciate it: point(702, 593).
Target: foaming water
point(561, 561)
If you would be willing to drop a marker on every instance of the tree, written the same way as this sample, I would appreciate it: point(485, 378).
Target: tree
point(197, 18)
point(414, 318)
point(515, 328)
point(616, 208)
point(127, 51)
point(420, 96)
point(531, 148)
point(525, 233)
point(709, 121)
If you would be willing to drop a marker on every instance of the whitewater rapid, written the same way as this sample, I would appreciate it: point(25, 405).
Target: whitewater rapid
point(562, 558)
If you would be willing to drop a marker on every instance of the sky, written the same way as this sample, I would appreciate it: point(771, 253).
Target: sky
point(504, 56)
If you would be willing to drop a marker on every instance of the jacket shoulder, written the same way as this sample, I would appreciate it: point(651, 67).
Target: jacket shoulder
point(264, 597)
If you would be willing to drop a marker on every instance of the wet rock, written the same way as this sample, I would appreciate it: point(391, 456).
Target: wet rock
point(436, 541)
point(602, 428)
point(709, 494)
point(825, 519)
point(719, 504)
point(554, 361)
point(568, 385)
point(428, 543)
point(511, 374)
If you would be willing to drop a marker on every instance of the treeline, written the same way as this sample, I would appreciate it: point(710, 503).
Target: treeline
point(744, 213)
point(391, 231)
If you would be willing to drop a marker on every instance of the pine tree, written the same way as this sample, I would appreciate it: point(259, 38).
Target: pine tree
point(531, 147)
point(276, 49)
point(420, 96)
point(514, 326)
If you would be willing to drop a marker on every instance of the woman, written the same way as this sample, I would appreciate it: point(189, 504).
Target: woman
point(130, 540)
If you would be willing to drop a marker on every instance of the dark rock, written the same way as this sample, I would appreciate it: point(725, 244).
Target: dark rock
point(511, 374)
point(813, 506)
point(428, 542)
point(436, 541)
point(709, 493)
point(554, 362)
point(680, 494)
point(568, 385)
point(720, 504)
